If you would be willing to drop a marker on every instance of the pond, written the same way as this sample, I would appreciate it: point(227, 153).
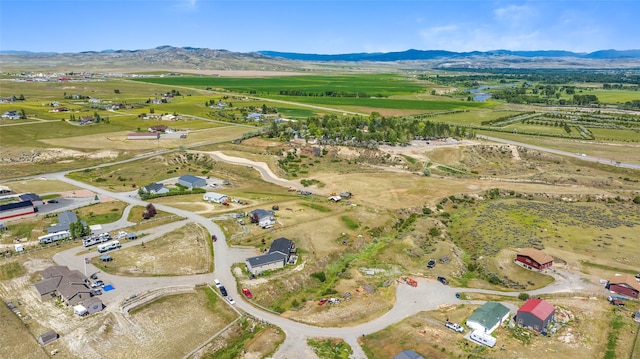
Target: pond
point(480, 95)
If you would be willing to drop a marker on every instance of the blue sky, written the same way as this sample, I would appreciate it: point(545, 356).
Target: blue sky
point(325, 27)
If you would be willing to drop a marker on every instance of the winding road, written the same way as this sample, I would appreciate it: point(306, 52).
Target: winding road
point(409, 300)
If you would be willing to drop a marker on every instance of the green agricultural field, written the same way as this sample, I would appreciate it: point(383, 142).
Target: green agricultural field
point(615, 96)
point(616, 135)
point(369, 84)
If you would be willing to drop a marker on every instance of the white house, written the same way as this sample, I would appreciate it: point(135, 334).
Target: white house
point(215, 197)
point(488, 317)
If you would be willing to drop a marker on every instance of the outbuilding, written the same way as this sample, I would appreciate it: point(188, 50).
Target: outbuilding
point(535, 313)
point(48, 337)
point(192, 182)
point(532, 258)
point(488, 317)
point(624, 284)
point(215, 197)
point(16, 210)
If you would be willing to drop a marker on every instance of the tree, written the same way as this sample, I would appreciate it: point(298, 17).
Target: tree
point(116, 91)
point(264, 109)
point(23, 115)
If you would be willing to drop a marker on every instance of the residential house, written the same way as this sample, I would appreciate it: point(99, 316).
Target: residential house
point(11, 115)
point(143, 136)
point(408, 354)
point(532, 258)
point(535, 313)
point(60, 282)
point(254, 116)
point(215, 197)
point(192, 182)
point(262, 217)
point(155, 188)
point(158, 128)
point(64, 222)
point(17, 210)
point(488, 317)
point(280, 253)
point(94, 100)
point(86, 120)
point(624, 284)
point(169, 117)
point(60, 109)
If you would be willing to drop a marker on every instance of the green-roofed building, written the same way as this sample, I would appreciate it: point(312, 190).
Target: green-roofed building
point(488, 317)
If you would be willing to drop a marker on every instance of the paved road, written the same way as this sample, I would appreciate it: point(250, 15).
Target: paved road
point(564, 153)
point(409, 300)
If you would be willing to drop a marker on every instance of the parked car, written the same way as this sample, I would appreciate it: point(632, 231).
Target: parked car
point(223, 291)
point(443, 280)
point(454, 326)
point(96, 292)
point(231, 301)
point(52, 201)
point(97, 283)
point(431, 263)
point(217, 283)
point(247, 293)
point(322, 301)
point(94, 276)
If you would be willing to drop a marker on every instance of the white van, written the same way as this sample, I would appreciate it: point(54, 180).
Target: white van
point(482, 338)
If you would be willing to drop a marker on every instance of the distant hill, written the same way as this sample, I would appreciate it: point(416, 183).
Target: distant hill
point(412, 55)
point(200, 59)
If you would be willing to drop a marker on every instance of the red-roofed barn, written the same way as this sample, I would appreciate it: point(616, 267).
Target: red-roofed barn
point(624, 284)
point(535, 313)
point(533, 258)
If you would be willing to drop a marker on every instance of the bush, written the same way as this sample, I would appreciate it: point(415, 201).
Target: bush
point(636, 200)
point(523, 296)
point(321, 276)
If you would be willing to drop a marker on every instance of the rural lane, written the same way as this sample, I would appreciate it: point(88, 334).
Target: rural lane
point(429, 294)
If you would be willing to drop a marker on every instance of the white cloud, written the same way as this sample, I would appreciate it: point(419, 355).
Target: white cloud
point(185, 5)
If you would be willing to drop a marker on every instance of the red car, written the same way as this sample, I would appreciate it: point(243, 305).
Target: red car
point(247, 293)
point(322, 301)
point(214, 237)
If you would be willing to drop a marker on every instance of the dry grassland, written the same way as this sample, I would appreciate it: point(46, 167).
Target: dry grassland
point(40, 186)
point(181, 252)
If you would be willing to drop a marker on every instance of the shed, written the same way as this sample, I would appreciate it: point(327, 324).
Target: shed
point(215, 197)
point(535, 313)
point(408, 354)
point(534, 258)
point(624, 284)
point(191, 182)
point(48, 337)
point(19, 247)
point(488, 317)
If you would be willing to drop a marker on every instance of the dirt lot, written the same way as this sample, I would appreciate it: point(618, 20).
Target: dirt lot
point(181, 252)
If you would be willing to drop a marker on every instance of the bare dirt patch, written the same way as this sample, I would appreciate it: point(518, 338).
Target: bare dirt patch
point(181, 252)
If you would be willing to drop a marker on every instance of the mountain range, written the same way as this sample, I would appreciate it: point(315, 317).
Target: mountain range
point(168, 57)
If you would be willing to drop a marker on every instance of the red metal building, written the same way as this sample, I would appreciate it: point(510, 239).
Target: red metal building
point(534, 259)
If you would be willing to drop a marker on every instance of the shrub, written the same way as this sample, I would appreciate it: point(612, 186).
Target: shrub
point(523, 296)
point(636, 200)
point(321, 276)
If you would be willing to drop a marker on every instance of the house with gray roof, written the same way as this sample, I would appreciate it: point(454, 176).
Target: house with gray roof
point(192, 182)
point(64, 222)
point(408, 354)
point(71, 286)
point(155, 188)
point(280, 253)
